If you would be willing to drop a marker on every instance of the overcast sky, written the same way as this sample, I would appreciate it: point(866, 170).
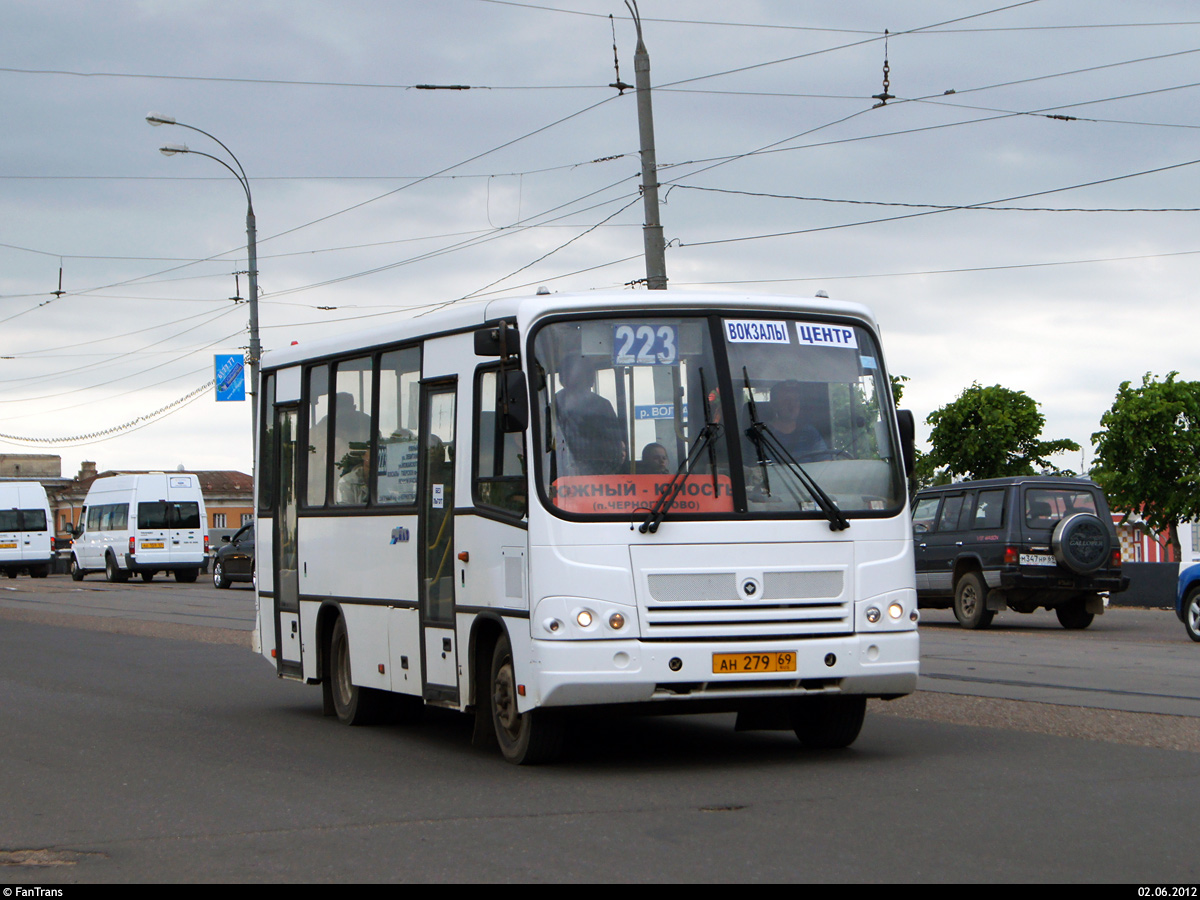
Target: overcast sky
point(1073, 121)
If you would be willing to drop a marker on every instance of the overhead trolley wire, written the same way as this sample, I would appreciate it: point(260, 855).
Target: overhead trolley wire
point(930, 212)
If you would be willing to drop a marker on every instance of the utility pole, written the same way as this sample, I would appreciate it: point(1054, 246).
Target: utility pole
point(656, 262)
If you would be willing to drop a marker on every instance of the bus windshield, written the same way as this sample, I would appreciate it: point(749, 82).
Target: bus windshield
point(762, 415)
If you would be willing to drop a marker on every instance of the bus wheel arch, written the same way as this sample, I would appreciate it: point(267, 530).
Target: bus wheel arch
point(327, 616)
point(486, 631)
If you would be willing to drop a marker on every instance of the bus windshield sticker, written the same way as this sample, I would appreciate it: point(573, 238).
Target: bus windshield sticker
point(752, 331)
point(626, 494)
point(814, 334)
point(645, 345)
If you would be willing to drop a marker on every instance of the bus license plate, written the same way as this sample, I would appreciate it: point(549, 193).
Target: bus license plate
point(152, 545)
point(728, 663)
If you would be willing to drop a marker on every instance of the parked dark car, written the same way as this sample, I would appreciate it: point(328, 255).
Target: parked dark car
point(1187, 601)
point(1019, 544)
point(234, 559)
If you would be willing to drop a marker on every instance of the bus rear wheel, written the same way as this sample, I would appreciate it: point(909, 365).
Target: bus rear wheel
point(829, 721)
point(524, 738)
point(354, 705)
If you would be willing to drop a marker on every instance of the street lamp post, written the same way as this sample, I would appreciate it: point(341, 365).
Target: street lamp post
point(251, 248)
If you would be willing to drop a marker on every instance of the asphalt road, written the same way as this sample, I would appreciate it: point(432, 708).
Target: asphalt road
point(143, 742)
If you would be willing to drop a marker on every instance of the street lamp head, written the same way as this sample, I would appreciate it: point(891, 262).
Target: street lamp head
point(172, 149)
point(159, 119)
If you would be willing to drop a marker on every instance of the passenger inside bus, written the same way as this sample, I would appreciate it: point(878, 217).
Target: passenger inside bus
point(589, 440)
point(654, 461)
point(791, 426)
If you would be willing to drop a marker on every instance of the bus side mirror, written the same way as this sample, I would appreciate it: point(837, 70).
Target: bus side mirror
point(513, 401)
point(908, 439)
point(488, 341)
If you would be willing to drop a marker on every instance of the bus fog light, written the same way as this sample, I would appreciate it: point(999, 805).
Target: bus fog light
point(584, 618)
point(616, 621)
point(552, 625)
point(895, 610)
point(873, 614)
point(914, 615)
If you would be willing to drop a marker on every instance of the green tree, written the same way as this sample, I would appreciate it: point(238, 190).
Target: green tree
point(1148, 452)
point(992, 432)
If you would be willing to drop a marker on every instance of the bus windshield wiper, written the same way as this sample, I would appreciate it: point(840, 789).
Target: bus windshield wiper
point(765, 440)
point(707, 439)
point(758, 447)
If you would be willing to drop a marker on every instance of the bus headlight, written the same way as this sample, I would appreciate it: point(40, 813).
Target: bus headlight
point(887, 612)
point(583, 618)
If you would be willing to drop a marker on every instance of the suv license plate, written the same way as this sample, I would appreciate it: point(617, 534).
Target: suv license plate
point(728, 663)
point(1037, 559)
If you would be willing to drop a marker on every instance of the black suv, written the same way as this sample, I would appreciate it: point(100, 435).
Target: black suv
point(1016, 543)
point(234, 560)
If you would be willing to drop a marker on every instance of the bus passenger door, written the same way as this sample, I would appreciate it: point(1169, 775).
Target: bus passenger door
point(286, 558)
point(436, 529)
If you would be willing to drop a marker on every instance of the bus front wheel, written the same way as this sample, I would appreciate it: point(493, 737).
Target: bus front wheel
point(829, 721)
point(524, 738)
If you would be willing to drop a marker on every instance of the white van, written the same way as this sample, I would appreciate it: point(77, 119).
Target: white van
point(142, 523)
point(26, 541)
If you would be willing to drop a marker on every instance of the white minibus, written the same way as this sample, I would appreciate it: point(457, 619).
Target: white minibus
point(521, 509)
point(142, 524)
point(26, 529)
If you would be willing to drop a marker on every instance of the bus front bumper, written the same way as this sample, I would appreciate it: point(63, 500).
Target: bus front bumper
point(585, 673)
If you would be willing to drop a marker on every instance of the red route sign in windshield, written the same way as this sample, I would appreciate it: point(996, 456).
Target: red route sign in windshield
point(609, 494)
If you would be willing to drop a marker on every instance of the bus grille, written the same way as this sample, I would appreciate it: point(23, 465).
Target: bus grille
point(711, 604)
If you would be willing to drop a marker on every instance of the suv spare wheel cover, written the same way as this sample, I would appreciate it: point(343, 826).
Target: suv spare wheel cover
point(1081, 543)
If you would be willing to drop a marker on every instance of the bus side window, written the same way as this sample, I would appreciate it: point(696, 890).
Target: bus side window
point(318, 435)
point(352, 431)
point(397, 446)
point(266, 468)
point(499, 464)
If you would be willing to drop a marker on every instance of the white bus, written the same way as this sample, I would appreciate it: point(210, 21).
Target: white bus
point(661, 501)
